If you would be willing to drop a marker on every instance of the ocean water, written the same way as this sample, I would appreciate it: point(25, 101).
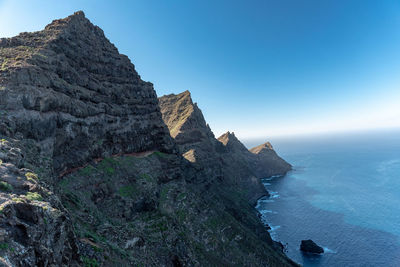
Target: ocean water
point(344, 194)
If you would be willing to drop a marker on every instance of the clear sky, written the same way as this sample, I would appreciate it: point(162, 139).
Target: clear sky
point(258, 68)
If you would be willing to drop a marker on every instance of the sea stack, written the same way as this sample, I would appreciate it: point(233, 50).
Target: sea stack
point(310, 246)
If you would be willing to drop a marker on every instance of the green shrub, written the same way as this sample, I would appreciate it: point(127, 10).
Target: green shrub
point(30, 176)
point(89, 262)
point(127, 191)
point(17, 199)
point(34, 196)
point(146, 177)
point(4, 186)
point(160, 154)
point(88, 170)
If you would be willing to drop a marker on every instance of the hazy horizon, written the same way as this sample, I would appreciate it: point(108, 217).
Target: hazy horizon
point(264, 69)
point(305, 142)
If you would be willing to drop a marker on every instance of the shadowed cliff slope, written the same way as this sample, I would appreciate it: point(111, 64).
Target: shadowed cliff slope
point(90, 175)
point(265, 155)
point(262, 159)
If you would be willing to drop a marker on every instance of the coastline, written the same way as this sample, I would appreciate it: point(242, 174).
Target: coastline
point(293, 217)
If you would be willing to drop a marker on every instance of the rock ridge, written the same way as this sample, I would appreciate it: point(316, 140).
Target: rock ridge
point(225, 158)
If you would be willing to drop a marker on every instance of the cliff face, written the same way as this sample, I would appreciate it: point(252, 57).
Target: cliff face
point(68, 88)
point(188, 127)
point(91, 176)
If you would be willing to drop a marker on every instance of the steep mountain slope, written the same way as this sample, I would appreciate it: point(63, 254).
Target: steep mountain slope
point(229, 159)
point(198, 144)
point(90, 174)
point(266, 156)
point(188, 127)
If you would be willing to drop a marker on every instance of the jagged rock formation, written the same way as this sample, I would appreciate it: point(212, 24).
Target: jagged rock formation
point(229, 159)
point(198, 144)
point(91, 176)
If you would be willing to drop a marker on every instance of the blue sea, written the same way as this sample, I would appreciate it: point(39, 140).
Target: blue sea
point(344, 194)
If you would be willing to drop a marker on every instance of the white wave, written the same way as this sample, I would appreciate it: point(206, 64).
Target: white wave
point(267, 179)
point(268, 211)
point(328, 250)
point(273, 194)
point(265, 201)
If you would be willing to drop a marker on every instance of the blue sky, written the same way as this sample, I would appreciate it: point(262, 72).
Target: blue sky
point(258, 68)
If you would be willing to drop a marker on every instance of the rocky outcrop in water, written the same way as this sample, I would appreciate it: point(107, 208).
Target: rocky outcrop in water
point(90, 175)
point(309, 246)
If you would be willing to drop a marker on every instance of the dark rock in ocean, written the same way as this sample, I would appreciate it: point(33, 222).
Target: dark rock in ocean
point(309, 246)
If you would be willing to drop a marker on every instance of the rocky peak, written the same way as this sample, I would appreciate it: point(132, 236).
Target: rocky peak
point(78, 18)
point(231, 142)
point(262, 148)
point(268, 162)
point(68, 88)
point(184, 119)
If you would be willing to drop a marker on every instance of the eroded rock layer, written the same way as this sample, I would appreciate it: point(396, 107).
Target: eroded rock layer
point(68, 88)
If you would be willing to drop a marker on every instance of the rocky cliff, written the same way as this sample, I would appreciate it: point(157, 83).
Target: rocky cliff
point(197, 143)
point(69, 89)
point(265, 155)
point(262, 159)
point(188, 127)
point(231, 162)
point(90, 175)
